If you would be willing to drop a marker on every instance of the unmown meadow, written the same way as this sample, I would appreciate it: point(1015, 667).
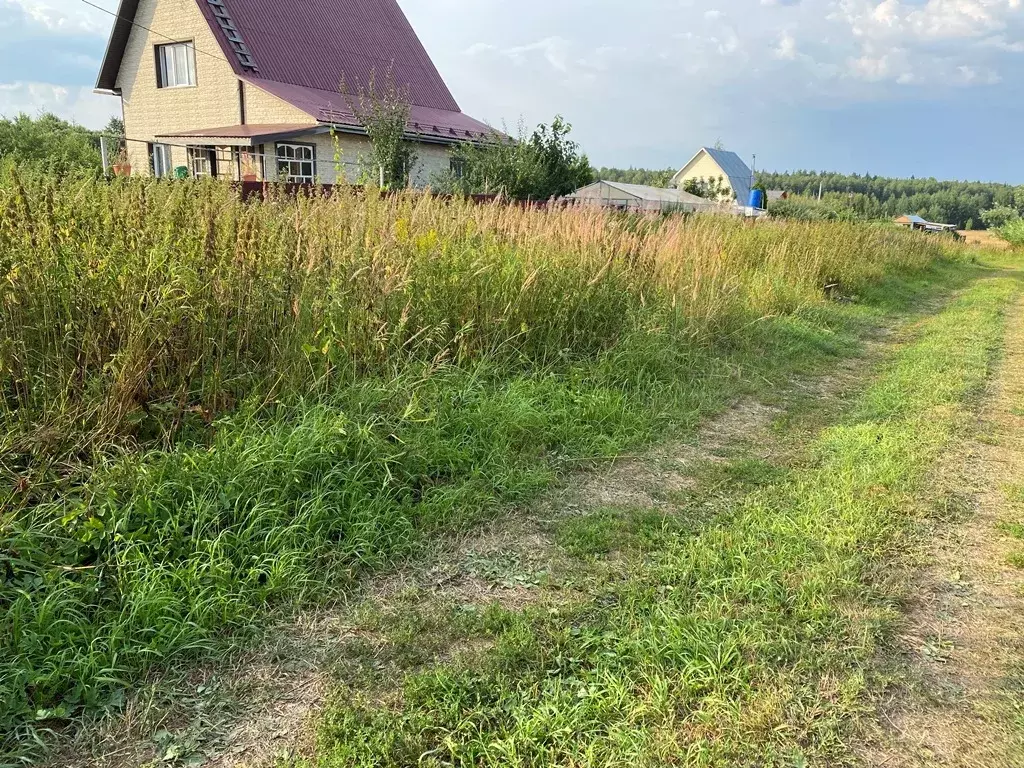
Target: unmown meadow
point(213, 410)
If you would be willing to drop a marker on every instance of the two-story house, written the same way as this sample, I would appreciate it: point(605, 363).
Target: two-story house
point(714, 164)
point(252, 87)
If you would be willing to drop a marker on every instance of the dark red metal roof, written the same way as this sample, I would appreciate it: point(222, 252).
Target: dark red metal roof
point(316, 43)
point(299, 51)
point(331, 107)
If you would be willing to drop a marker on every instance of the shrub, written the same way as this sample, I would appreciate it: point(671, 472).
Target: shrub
point(1000, 216)
point(540, 166)
point(1013, 232)
point(807, 209)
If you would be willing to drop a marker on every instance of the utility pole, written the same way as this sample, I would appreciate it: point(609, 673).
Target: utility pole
point(753, 172)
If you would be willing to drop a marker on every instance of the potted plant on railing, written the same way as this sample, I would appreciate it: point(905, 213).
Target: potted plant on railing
point(121, 166)
point(249, 167)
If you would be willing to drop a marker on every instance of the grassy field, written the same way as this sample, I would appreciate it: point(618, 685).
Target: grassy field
point(751, 637)
point(215, 411)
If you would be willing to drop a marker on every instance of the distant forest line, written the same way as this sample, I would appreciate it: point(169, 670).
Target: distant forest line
point(867, 196)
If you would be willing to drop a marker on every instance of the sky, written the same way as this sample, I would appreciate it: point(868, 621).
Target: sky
point(889, 87)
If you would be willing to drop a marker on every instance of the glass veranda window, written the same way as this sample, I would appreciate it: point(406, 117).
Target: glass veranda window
point(176, 65)
point(295, 162)
point(160, 159)
point(202, 161)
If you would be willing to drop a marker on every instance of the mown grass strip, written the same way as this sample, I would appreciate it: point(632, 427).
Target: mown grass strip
point(751, 642)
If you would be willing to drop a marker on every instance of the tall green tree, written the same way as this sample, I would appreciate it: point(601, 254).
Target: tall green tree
point(383, 108)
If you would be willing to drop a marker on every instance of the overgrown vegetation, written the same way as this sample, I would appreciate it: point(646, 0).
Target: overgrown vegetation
point(1013, 232)
point(51, 143)
point(538, 166)
point(810, 209)
point(750, 639)
point(213, 408)
point(383, 109)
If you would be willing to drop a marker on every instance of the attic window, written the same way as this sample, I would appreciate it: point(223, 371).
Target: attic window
point(175, 65)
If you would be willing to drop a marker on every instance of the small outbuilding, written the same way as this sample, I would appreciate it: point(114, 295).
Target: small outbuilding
point(637, 197)
point(912, 221)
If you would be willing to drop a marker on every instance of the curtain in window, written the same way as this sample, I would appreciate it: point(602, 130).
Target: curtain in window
point(177, 65)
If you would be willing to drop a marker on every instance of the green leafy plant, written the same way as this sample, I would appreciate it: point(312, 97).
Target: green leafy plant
point(1013, 232)
point(1000, 216)
point(538, 166)
point(383, 108)
point(49, 142)
point(710, 188)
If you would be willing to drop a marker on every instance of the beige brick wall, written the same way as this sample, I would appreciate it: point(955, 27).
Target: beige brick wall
point(214, 102)
point(150, 111)
point(432, 159)
point(349, 155)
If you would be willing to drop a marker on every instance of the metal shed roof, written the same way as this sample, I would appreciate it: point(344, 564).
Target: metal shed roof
point(654, 194)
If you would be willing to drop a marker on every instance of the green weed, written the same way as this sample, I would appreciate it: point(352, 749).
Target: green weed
point(751, 642)
point(211, 410)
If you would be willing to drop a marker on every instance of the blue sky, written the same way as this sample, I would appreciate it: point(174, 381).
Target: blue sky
point(893, 87)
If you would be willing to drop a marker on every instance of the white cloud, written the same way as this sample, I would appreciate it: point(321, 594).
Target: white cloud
point(933, 20)
point(786, 49)
point(68, 17)
point(78, 104)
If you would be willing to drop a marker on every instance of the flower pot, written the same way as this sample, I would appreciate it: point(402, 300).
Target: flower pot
point(249, 177)
point(122, 169)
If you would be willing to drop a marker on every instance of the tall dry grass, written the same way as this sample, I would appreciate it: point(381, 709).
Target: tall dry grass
point(124, 300)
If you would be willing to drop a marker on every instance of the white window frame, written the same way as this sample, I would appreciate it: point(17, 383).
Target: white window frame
point(176, 65)
point(290, 167)
point(201, 161)
point(161, 160)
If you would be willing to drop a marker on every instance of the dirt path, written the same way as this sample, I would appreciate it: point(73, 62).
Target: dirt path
point(964, 632)
point(263, 707)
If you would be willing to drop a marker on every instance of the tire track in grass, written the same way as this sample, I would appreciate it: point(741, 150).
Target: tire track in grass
point(512, 562)
point(506, 564)
point(964, 633)
point(753, 641)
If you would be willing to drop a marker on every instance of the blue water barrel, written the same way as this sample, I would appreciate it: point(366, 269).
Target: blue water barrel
point(757, 198)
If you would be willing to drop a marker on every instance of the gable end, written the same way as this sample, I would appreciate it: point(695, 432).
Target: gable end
point(116, 45)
